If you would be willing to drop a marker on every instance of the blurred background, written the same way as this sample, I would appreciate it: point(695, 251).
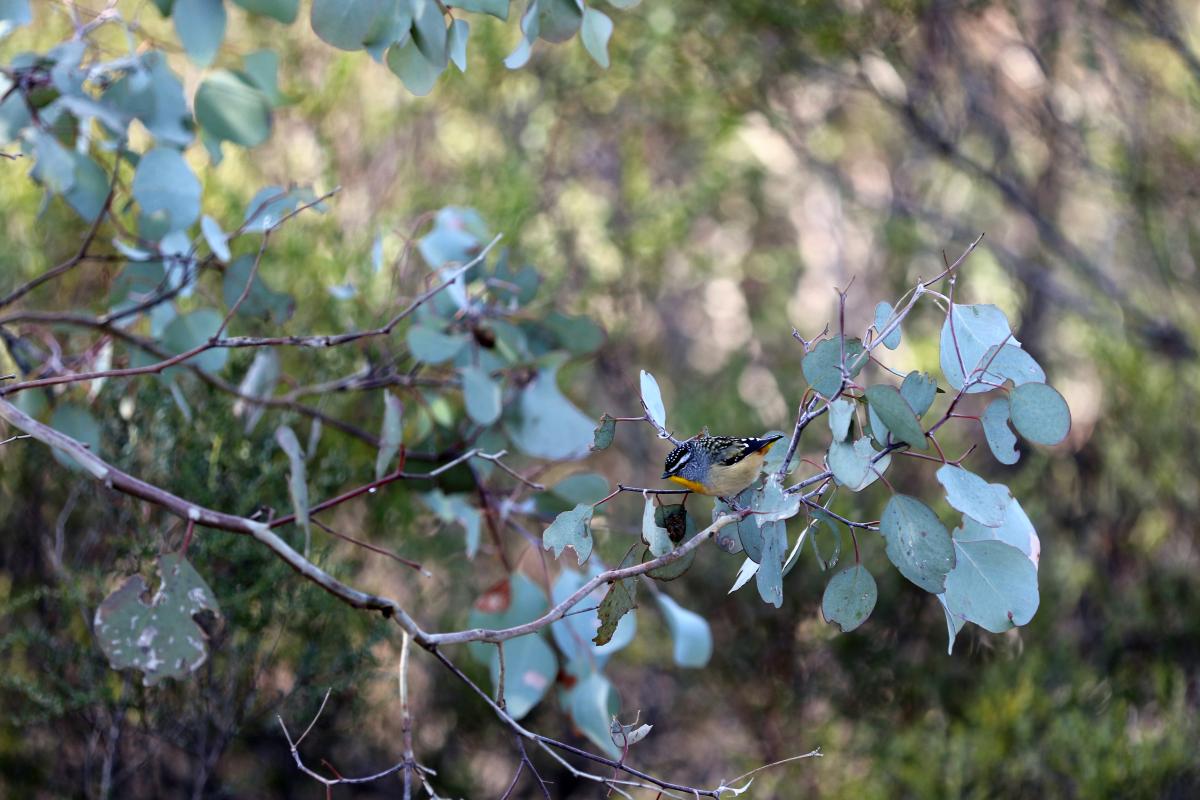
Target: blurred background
point(699, 200)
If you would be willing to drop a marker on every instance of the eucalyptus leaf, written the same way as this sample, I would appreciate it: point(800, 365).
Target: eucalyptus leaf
point(1039, 413)
point(689, 631)
point(530, 668)
point(391, 435)
point(917, 542)
point(897, 415)
point(547, 425)
point(822, 367)
point(165, 188)
point(233, 110)
point(652, 399)
point(602, 437)
point(596, 30)
point(841, 413)
point(433, 347)
point(297, 482)
point(620, 599)
point(883, 314)
point(482, 395)
point(972, 495)
point(347, 24)
point(993, 584)
point(188, 331)
point(918, 390)
point(1000, 438)
point(571, 529)
point(160, 638)
point(200, 25)
point(967, 335)
point(849, 598)
point(78, 423)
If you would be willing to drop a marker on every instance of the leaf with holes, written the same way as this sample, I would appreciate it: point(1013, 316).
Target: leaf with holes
point(619, 601)
point(160, 638)
point(571, 529)
point(602, 437)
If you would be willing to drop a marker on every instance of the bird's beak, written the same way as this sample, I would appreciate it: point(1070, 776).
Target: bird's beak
point(666, 475)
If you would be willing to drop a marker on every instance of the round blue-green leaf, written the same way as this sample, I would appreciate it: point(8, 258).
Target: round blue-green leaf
point(482, 395)
point(510, 602)
point(897, 415)
point(346, 24)
point(433, 347)
point(1011, 363)
point(883, 313)
point(78, 423)
point(429, 32)
point(967, 335)
point(547, 425)
point(200, 25)
point(232, 110)
point(262, 302)
point(497, 8)
point(1016, 530)
point(593, 702)
point(411, 66)
point(690, 632)
point(283, 10)
point(917, 542)
point(1000, 438)
point(841, 412)
point(1040, 414)
point(530, 668)
point(918, 389)
point(90, 188)
point(854, 465)
point(822, 367)
point(595, 33)
point(972, 495)
point(558, 19)
point(192, 330)
point(849, 598)
point(586, 487)
point(166, 189)
point(993, 584)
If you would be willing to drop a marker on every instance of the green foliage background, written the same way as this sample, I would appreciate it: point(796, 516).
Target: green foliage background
point(699, 199)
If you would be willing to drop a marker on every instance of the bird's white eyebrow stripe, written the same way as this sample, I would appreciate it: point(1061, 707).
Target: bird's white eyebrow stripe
point(683, 459)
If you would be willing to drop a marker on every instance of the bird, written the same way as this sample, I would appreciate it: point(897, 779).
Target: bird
point(718, 466)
